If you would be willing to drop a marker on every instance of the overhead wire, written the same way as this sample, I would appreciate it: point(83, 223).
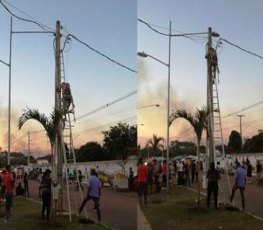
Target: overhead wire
point(240, 48)
point(23, 19)
point(196, 38)
point(242, 110)
point(26, 14)
point(71, 35)
point(108, 104)
point(102, 54)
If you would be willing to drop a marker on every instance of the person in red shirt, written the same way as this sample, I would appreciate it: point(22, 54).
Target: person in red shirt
point(8, 193)
point(2, 191)
point(142, 181)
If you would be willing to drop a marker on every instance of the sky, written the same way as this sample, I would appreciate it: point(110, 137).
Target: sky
point(240, 78)
point(110, 27)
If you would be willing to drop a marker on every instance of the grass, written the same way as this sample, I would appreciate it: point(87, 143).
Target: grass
point(178, 210)
point(26, 215)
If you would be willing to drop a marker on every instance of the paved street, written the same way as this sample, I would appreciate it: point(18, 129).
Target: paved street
point(118, 209)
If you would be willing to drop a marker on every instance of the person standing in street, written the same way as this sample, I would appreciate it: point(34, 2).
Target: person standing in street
point(130, 179)
point(94, 192)
point(142, 181)
point(46, 194)
point(240, 183)
point(25, 180)
point(8, 193)
point(212, 176)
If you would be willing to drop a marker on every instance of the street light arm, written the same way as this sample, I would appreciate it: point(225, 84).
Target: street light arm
point(145, 55)
point(146, 106)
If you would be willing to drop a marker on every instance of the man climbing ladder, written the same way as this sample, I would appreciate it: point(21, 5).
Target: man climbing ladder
point(67, 97)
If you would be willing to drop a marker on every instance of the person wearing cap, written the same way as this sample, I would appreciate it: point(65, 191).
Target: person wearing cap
point(46, 194)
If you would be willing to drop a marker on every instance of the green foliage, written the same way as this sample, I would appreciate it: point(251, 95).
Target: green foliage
point(120, 141)
point(254, 144)
point(154, 146)
point(235, 141)
point(91, 151)
point(49, 124)
point(178, 148)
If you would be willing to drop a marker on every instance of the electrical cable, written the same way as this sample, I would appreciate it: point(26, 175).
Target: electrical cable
point(172, 35)
point(69, 35)
point(245, 50)
point(28, 16)
point(108, 104)
point(244, 109)
point(102, 54)
point(22, 19)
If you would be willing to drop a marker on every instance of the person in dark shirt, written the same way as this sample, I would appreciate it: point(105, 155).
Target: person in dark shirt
point(19, 190)
point(212, 184)
point(46, 194)
point(25, 180)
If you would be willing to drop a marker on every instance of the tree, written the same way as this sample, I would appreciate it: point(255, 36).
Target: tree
point(254, 144)
point(235, 141)
point(198, 122)
point(120, 140)
point(155, 145)
point(49, 124)
point(91, 151)
point(178, 148)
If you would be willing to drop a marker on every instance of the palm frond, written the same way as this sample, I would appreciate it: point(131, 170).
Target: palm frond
point(33, 114)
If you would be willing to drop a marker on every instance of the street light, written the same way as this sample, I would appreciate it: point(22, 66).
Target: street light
point(146, 106)
point(9, 93)
point(144, 55)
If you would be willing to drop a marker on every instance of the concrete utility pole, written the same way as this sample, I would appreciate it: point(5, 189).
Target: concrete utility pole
point(210, 125)
point(240, 126)
point(58, 151)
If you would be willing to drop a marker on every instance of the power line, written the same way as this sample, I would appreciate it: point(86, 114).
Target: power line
point(196, 38)
point(244, 109)
point(102, 54)
point(107, 105)
point(186, 35)
point(111, 123)
point(245, 50)
point(22, 19)
point(71, 35)
point(28, 15)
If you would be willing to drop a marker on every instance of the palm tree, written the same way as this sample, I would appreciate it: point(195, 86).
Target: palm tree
point(198, 122)
point(155, 144)
point(49, 124)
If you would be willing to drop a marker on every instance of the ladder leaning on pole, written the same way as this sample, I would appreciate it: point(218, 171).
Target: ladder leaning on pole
point(218, 133)
point(74, 196)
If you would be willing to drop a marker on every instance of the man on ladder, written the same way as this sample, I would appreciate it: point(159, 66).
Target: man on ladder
point(67, 97)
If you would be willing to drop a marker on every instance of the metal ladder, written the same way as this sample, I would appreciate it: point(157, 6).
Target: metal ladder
point(218, 133)
point(73, 197)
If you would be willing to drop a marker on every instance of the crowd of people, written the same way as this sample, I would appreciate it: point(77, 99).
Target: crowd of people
point(152, 175)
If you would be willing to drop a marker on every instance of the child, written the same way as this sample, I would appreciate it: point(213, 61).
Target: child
point(55, 191)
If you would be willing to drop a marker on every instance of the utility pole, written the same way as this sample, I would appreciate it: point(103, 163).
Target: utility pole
point(210, 126)
point(58, 151)
point(240, 126)
point(28, 147)
point(9, 92)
